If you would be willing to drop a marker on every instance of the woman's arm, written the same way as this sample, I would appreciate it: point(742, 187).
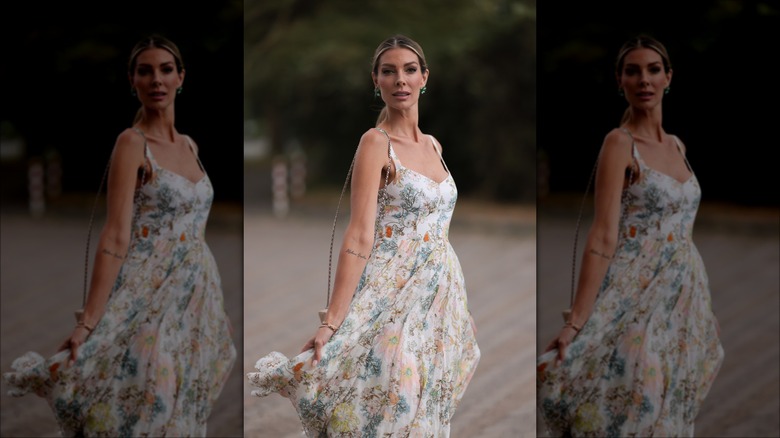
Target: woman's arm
point(614, 159)
point(359, 236)
point(126, 159)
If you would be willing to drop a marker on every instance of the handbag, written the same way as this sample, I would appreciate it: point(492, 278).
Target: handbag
point(383, 198)
point(79, 313)
point(566, 313)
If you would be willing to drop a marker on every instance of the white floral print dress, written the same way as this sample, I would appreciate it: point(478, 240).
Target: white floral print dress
point(650, 351)
point(401, 360)
point(162, 351)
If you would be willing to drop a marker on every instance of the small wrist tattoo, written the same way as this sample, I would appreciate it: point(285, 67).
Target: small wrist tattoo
point(112, 254)
point(349, 251)
point(600, 254)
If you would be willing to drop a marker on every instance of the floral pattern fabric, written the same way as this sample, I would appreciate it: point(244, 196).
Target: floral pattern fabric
point(162, 351)
point(650, 351)
point(401, 360)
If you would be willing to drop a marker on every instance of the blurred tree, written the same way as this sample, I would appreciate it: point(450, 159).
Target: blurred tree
point(307, 79)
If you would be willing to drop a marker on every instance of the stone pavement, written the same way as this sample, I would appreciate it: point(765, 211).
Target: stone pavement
point(741, 253)
point(42, 262)
point(285, 278)
point(274, 289)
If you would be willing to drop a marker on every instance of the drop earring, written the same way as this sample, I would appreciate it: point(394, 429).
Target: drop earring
point(376, 92)
point(178, 90)
point(423, 90)
point(133, 92)
point(621, 93)
point(666, 90)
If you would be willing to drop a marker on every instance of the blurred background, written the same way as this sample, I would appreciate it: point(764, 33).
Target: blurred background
point(64, 99)
point(309, 98)
point(309, 95)
point(722, 105)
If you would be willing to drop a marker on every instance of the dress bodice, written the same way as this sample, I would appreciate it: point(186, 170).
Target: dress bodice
point(658, 205)
point(172, 206)
point(417, 206)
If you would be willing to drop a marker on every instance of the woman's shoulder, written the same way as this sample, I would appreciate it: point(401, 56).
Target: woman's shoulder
point(617, 135)
point(130, 138)
point(677, 141)
point(373, 139)
point(617, 139)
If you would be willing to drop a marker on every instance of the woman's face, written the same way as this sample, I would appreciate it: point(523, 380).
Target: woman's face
point(399, 78)
point(643, 78)
point(155, 78)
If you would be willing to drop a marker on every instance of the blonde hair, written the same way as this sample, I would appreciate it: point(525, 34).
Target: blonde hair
point(395, 42)
point(152, 42)
point(640, 42)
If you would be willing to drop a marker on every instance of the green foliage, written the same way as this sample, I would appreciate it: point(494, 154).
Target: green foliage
point(307, 79)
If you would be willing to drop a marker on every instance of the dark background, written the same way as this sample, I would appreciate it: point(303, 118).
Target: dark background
point(64, 87)
point(722, 103)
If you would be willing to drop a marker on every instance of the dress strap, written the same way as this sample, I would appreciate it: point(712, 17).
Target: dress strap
point(390, 152)
point(438, 151)
point(147, 151)
point(680, 148)
point(197, 157)
point(634, 151)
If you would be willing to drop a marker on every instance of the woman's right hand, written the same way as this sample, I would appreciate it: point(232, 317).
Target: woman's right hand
point(74, 341)
point(317, 342)
point(561, 342)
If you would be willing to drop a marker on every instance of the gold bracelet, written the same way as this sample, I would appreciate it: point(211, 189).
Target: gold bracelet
point(85, 325)
point(572, 325)
point(330, 326)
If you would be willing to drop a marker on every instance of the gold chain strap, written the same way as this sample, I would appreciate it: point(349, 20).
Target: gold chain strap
point(136, 217)
point(624, 215)
point(383, 199)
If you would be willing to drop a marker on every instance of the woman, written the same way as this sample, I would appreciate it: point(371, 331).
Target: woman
point(396, 347)
point(151, 349)
point(640, 349)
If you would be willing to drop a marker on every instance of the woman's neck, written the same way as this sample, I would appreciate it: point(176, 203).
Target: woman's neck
point(646, 124)
point(158, 124)
point(402, 124)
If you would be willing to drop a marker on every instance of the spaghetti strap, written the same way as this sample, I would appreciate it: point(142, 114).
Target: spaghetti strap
point(192, 149)
point(147, 156)
point(437, 147)
point(680, 148)
point(390, 152)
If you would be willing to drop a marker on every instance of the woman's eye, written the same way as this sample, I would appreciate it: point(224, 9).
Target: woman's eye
point(387, 72)
point(167, 69)
point(411, 69)
point(655, 69)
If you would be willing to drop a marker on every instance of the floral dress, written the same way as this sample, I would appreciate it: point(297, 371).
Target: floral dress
point(162, 351)
point(648, 354)
point(401, 360)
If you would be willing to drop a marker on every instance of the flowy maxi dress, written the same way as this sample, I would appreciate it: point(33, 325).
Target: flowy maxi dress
point(647, 356)
point(162, 351)
point(401, 360)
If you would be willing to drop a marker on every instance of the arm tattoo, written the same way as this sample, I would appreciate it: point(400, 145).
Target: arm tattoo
point(113, 254)
point(600, 254)
point(349, 251)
